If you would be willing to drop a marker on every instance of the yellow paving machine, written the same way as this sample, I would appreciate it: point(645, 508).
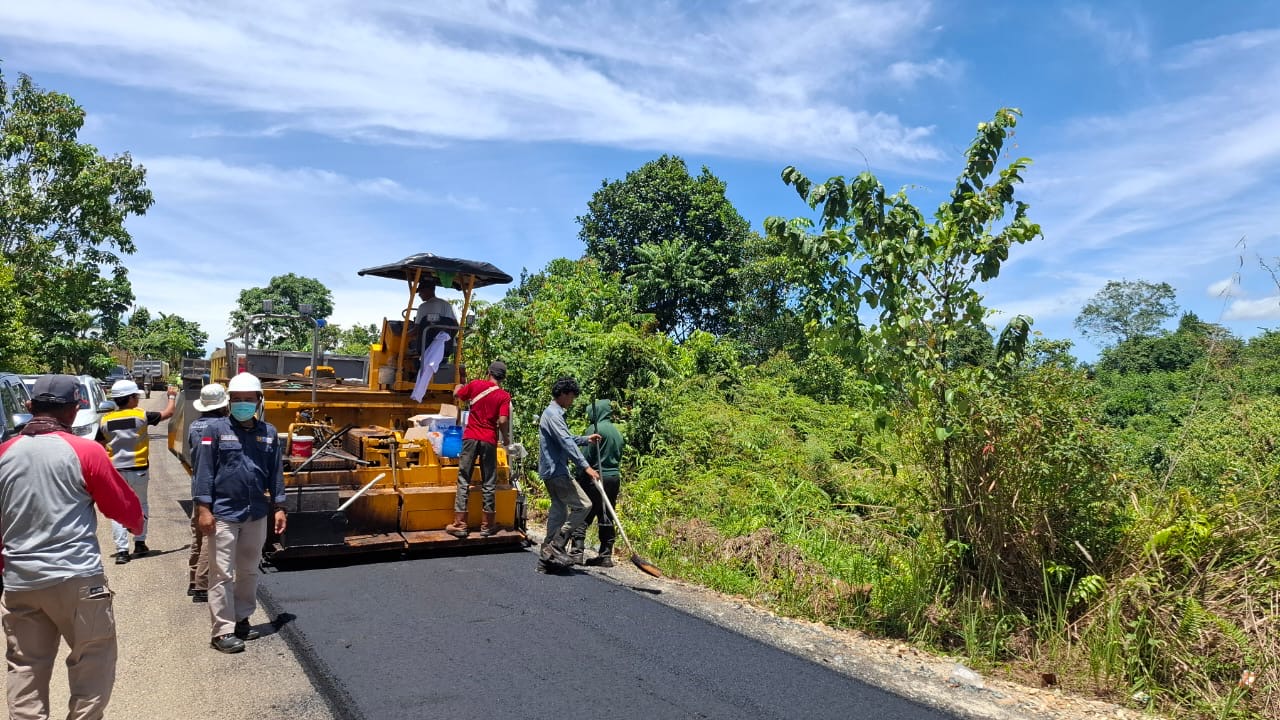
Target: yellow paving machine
point(363, 471)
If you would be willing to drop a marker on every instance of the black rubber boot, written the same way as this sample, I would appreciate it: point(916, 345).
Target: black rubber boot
point(604, 558)
point(553, 557)
point(578, 549)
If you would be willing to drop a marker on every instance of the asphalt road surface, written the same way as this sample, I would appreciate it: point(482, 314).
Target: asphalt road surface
point(484, 636)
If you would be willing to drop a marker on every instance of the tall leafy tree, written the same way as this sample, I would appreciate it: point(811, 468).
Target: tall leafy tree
point(1125, 310)
point(63, 208)
point(164, 337)
point(767, 317)
point(17, 339)
point(896, 292)
point(354, 340)
point(675, 239)
point(568, 319)
point(288, 294)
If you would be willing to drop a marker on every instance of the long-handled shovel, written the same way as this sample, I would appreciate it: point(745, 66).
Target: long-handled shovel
point(644, 565)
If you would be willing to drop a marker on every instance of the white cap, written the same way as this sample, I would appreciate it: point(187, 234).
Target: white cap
point(212, 397)
point(125, 388)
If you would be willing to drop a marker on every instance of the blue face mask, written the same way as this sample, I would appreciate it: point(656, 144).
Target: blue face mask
point(243, 410)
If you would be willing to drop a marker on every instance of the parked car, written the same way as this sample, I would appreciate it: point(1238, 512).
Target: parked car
point(119, 372)
point(94, 403)
point(14, 397)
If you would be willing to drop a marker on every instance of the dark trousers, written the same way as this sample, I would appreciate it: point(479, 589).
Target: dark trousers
point(488, 455)
point(598, 512)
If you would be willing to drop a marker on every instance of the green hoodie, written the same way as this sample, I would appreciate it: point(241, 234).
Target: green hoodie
point(609, 451)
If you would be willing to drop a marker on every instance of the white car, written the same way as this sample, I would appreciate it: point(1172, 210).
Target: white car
point(94, 403)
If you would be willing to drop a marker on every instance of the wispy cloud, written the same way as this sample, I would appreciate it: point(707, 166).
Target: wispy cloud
point(1226, 287)
point(1183, 179)
point(185, 178)
point(909, 73)
point(1201, 53)
point(1122, 41)
point(1164, 191)
point(221, 228)
point(646, 76)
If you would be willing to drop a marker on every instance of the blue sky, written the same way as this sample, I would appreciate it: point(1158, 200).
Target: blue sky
point(322, 137)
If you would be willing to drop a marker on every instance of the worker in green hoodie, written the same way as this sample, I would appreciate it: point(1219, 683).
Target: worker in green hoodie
point(606, 456)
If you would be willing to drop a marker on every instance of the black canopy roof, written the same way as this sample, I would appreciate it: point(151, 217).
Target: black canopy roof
point(441, 268)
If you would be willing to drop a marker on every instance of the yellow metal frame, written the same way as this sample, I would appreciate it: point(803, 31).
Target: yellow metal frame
point(418, 493)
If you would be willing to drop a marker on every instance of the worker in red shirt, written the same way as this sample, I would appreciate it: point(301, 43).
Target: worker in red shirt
point(54, 585)
point(488, 422)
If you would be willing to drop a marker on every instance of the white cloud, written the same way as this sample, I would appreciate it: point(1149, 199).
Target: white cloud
point(909, 73)
point(1167, 190)
point(1226, 287)
point(649, 76)
point(1120, 42)
point(1261, 309)
point(185, 178)
point(222, 228)
point(1201, 53)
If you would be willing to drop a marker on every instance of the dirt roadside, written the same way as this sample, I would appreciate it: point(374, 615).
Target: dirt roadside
point(166, 668)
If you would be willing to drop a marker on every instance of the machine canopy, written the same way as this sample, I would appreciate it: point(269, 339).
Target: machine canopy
point(448, 272)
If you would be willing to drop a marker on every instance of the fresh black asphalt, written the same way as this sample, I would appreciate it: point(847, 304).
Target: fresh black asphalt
point(484, 636)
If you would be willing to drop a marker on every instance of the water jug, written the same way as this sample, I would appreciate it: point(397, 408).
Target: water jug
point(451, 447)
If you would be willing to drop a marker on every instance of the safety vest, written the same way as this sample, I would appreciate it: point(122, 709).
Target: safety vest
point(126, 432)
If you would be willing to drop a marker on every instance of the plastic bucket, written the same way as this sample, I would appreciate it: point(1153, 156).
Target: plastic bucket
point(302, 446)
point(451, 446)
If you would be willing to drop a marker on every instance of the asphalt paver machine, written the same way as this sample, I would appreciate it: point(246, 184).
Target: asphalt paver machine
point(374, 479)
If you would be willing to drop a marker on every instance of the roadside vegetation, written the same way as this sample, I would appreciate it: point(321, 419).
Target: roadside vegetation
point(821, 418)
point(838, 434)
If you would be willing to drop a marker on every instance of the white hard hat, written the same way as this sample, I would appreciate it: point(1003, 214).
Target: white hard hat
point(244, 382)
point(212, 397)
point(125, 388)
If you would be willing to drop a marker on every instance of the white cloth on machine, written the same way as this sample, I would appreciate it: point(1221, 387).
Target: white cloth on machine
point(431, 358)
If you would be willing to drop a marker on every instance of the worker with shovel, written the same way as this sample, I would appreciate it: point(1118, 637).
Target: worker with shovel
point(557, 447)
point(606, 456)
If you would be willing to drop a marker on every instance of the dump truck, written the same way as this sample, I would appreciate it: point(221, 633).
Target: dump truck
point(151, 375)
point(371, 479)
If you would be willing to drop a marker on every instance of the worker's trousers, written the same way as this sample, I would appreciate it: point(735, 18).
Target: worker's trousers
point(198, 561)
point(598, 512)
point(233, 571)
point(137, 479)
point(35, 623)
point(487, 454)
point(568, 504)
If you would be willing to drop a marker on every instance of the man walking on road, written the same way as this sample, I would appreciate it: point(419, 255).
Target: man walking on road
point(239, 484)
point(54, 584)
point(487, 422)
point(557, 447)
point(212, 404)
point(125, 433)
